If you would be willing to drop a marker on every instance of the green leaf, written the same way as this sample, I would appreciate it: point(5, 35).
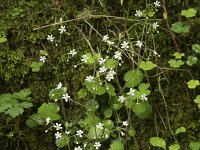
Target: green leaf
point(180, 27)
point(133, 78)
point(95, 86)
point(95, 133)
point(194, 145)
point(23, 95)
point(178, 55)
point(15, 111)
point(36, 66)
point(49, 110)
point(108, 113)
point(116, 145)
point(24, 105)
point(192, 84)
point(56, 94)
point(91, 105)
point(174, 147)
point(90, 58)
point(158, 142)
point(63, 141)
point(197, 100)
point(4, 107)
point(180, 130)
point(115, 103)
point(191, 60)
point(42, 52)
point(82, 93)
point(196, 48)
point(150, 13)
point(145, 111)
point(175, 63)
point(3, 39)
point(31, 123)
point(191, 12)
point(108, 124)
point(143, 86)
point(121, 1)
point(148, 65)
point(110, 89)
point(111, 63)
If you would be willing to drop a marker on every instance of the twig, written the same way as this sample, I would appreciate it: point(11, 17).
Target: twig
point(168, 27)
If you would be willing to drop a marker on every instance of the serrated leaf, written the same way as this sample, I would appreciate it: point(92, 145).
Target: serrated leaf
point(111, 63)
point(178, 55)
point(196, 48)
point(148, 65)
point(174, 147)
point(24, 105)
point(133, 78)
point(194, 145)
point(15, 111)
point(158, 142)
point(180, 27)
point(175, 63)
point(63, 141)
point(23, 94)
point(56, 93)
point(116, 145)
point(4, 107)
point(180, 130)
point(192, 84)
point(49, 110)
point(191, 12)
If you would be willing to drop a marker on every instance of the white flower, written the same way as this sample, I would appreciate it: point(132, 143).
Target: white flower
point(47, 120)
point(155, 25)
point(99, 126)
point(131, 92)
point(139, 44)
point(42, 58)
point(121, 99)
point(102, 69)
point(122, 133)
point(79, 133)
point(67, 132)
point(66, 97)
point(110, 42)
point(78, 148)
point(72, 52)
point(110, 75)
point(143, 97)
point(97, 145)
point(58, 135)
point(118, 55)
point(62, 29)
point(59, 86)
point(124, 45)
point(84, 58)
point(157, 4)
point(105, 38)
point(138, 13)
point(89, 79)
point(50, 38)
point(58, 126)
point(101, 61)
point(125, 123)
point(106, 136)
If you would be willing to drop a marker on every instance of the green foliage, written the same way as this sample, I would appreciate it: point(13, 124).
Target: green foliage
point(158, 142)
point(133, 78)
point(11, 104)
point(3, 39)
point(192, 84)
point(191, 60)
point(148, 65)
point(194, 145)
point(116, 145)
point(196, 48)
point(63, 141)
point(36, 66)
point(175, 63)
point(174, 147)
point(197, 100)
point(111, 64)
point(178, 55)
point(191, 12)
point(180, 130)
point(180, 27)
point(49, 110)
point(95, 133)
